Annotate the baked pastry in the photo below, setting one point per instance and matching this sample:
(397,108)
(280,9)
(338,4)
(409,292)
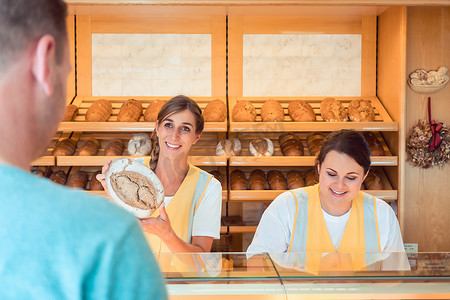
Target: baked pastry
(95,185)
(332,110)
(375,146)
(272,111)
(217,175)
(276,180)
(99,111)
(311,177)
(114,148)
(314,141)
(301,111)
(59,177)
(238,181)
(130,111)
(78,180)
(373,182)
(228,147)
(361,111)
(215,111)
(257,180)
(89,147)
(295,179)
(41,171)
(70,113)
(261,147)
(65,147)
(140,145)
(152,111)
(290,145)
(243,111)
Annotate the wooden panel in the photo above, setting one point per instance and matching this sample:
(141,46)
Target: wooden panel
(84,55)
(70,20)
(235,55)
(218,56)
(368,55)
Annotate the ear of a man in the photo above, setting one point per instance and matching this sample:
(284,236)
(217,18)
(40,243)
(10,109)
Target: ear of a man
(43,61)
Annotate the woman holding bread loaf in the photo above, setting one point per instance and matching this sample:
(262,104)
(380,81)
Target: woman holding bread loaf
(333,216)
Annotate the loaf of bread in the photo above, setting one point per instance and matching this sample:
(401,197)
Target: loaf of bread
(59,177)
(311,177)
(70,113)
(361,111)
(215,111)
(78,180)
(95,185)
(295,179)
(217,175)
(243,111)
(276,180)
(261,147)
(373,182)
(272,111)
(229,147)
(99,111)
(152,111)
(290,145)
(375,146)
(314,140)
(257,180)
(332,110)
(301,111)
(89,147)
(130,111)
(238,181)
(140,145)
(41,171)
(65,147)
(114,148)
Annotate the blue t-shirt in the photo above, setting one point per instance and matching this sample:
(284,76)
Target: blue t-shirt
(57,243)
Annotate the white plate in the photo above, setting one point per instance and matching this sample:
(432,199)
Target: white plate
(126,164)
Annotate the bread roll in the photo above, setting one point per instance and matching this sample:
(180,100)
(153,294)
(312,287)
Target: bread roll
(215,111)
(373,182)
(140,145)
(276,180)
(70,113)
(314,140)
(361,111)
(261,147)
(238,181)
(78,180)
(243,111)
(272,111)
(89,147)
(152,111)
(290,145)
(332,110)
(375,146)
(311,177)
(217,175)
(130,111)
(95,185)
(228,147)
(295,179)
(257,180)
(301,111)
(65,147)
(99,111)
(59,177)
(41,171)
(114,148)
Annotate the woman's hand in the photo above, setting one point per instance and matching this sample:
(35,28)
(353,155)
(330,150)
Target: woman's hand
(102,177)
(159,226)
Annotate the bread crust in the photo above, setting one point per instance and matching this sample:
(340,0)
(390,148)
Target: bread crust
(65,147)
(332,110)
(301,111)
(70,113)
(215,111)
(99,111)
(361,111)
(290,144)
(243,111)
(152,111)
(130,111)
(272,111)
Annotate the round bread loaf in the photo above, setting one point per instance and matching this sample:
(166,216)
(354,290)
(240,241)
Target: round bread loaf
(261,147)
(140,145)
(78,180)
(361,111)
(152,111)
(257,180)
(215,111)
(229,147)
(295,179)
(311,177)
(314,141)
(238,181)
(301,111)
(65,147)
(272,111)
(243,111)
(130,111)
(276,180)
(99,111)
(59,177)
(114,148)
(373,182)
(332,110)
(290,145)
(70,113)
(375,146)
(89,147)
(95,185)
(41,171)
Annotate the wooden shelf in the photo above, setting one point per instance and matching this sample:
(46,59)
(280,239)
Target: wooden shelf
(299,161)
(104,194)
(48,159)
(242,229)
(44,161)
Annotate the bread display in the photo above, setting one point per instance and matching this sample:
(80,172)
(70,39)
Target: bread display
(238,181)
(152,111)
(361,111)
(257,180)
(290,145)
(375,146)
(70,113)
(217,175)
(99,111)
(95,185)
(130,111)
(65,147)
(261,147)
(295,179)
(114,148)
(140,145)
(314,141)
(276,180)
(243,111)
(332,110)
(78,180)
(59,177)
(215,111)
(373,182)
(229,147)
(89,147)
(301,111)
(272,111)
(311,177)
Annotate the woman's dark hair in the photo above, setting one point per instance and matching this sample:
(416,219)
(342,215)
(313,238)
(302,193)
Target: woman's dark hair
(176,104)
(349,142)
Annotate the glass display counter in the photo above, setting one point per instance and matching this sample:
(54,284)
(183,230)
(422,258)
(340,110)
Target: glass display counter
(306,275)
